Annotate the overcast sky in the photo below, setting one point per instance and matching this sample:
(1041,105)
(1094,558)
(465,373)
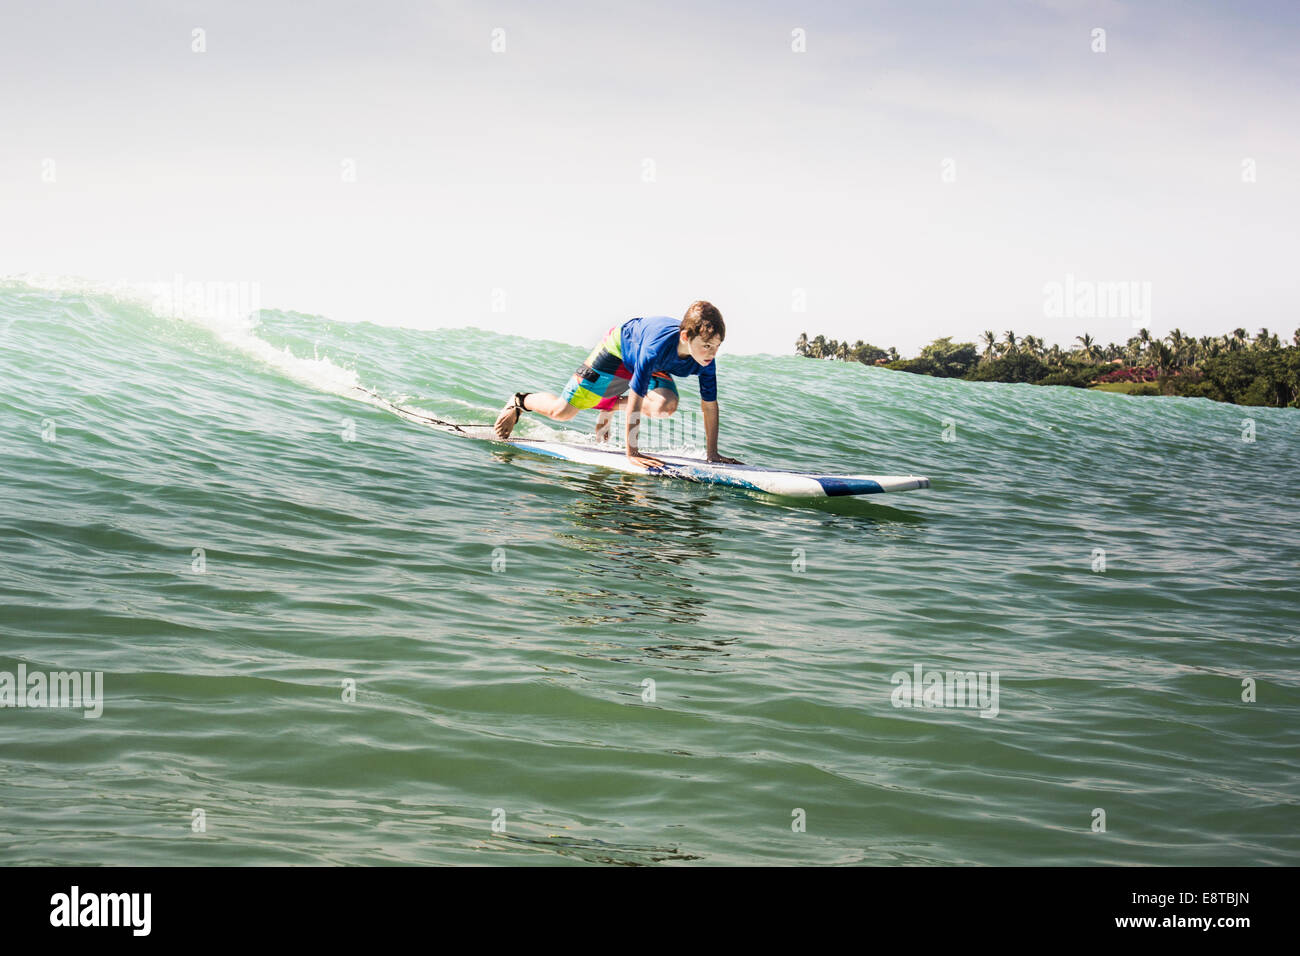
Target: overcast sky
(921,169)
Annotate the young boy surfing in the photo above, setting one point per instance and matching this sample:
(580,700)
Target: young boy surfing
(642,354)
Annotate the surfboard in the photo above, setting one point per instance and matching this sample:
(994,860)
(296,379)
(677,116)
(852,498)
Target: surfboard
(792,484)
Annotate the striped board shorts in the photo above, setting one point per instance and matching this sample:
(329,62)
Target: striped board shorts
(600,381)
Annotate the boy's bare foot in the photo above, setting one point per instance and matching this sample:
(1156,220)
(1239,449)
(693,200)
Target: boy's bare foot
(507,420)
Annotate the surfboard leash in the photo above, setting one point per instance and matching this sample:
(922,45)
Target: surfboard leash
(420,416)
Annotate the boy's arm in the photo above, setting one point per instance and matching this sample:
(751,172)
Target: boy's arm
(711,434)
(630,439)
(641,364)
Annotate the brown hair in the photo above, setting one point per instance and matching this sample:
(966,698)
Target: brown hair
(704,319)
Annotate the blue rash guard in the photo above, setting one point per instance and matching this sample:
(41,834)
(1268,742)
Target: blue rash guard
(650,345)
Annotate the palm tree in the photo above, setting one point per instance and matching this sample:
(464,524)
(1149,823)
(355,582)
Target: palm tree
(1054,354)
(1161,357)
(842,353)
(990,340)
(818,347)
(893,354)
(1176,345)
(1132,350)
(1087,346)
(801,346)
(1261,339)
(1239,338)
(1011,343)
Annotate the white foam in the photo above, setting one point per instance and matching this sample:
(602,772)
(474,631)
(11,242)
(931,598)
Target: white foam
(232,318)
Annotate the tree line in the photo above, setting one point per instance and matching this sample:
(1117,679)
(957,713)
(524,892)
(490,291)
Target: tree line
(1234,367)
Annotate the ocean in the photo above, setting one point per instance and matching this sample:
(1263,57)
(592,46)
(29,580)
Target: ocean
(322,634)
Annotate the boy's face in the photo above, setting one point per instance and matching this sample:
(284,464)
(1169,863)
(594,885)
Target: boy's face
(703,350)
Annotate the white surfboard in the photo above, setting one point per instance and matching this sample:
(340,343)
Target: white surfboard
(793,484)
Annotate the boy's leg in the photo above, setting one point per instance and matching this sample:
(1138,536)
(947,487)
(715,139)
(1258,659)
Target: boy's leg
(604,424)
(662,399)
(552,406)
(544,403)
(598,381)
(660,402)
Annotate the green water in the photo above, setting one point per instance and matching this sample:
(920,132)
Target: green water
(500,613)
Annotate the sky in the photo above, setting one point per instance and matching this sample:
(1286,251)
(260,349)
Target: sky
(891,172)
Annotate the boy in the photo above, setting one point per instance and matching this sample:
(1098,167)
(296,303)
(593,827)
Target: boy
(642,354)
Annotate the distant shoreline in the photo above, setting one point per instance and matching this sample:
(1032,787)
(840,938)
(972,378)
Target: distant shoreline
(1234,368)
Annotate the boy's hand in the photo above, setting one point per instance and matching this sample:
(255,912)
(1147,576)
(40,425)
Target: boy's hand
(723,459)
(645,461)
